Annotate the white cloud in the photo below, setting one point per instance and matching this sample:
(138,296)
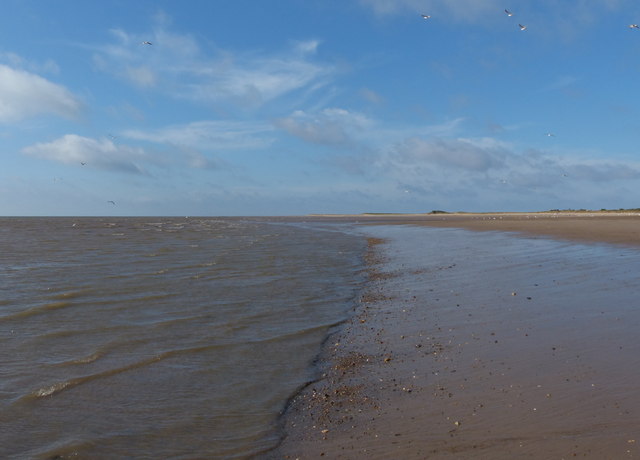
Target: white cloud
(24,94)
(445,129)
(141,76)
(460,154)
(371,96)
(485,164)
(209,135)
(253,82)
(330,126)
(346,128)
(602,171)
(307,47)
(195,145)
(96,153)
(17,61)
(177,65)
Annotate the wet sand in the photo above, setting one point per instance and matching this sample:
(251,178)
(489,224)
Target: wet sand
(618,228)
(590,226)
(483,345)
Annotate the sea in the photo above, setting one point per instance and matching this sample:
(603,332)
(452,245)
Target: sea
(156,338)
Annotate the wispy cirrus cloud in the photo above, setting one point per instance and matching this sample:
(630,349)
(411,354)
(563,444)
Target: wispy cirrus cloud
(24,94)
(19,62)
(209,135)
(560,83)
(205,144)
(177,65)
(95,153)
(253,82)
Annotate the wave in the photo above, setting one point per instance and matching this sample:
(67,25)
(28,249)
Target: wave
(88,359)
(71,294)
(42,309)
(59,387)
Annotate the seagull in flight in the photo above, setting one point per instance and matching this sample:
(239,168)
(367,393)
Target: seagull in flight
(550,134)
(112,202)
(82,163)
(425,16)
(634,26)
(509,13)
(147,43)
(522,27)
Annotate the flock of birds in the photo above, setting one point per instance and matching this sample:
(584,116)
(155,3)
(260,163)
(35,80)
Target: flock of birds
(508,13)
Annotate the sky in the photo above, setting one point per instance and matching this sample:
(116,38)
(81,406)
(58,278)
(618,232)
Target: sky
(292,107)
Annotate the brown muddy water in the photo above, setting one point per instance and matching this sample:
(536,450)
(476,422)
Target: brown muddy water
(162,337)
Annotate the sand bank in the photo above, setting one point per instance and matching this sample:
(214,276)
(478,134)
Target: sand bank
(610,227)
(482,345)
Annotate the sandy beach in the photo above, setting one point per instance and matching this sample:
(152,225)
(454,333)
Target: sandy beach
(473,344)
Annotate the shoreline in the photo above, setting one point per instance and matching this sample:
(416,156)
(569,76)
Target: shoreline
(431,364)
(615,227)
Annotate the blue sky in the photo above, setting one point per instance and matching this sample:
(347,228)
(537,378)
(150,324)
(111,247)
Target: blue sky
(289,107)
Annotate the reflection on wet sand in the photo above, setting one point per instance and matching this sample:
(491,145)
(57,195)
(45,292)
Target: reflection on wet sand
(480,345)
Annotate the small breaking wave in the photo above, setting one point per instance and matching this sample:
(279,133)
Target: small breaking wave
(50,390)
(59,387)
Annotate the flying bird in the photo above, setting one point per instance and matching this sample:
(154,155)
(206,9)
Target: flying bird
(522,27)
(425,16)
(634,26)
(112,202)
(82,163)
(550,134)
(147,43)
(509,13)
